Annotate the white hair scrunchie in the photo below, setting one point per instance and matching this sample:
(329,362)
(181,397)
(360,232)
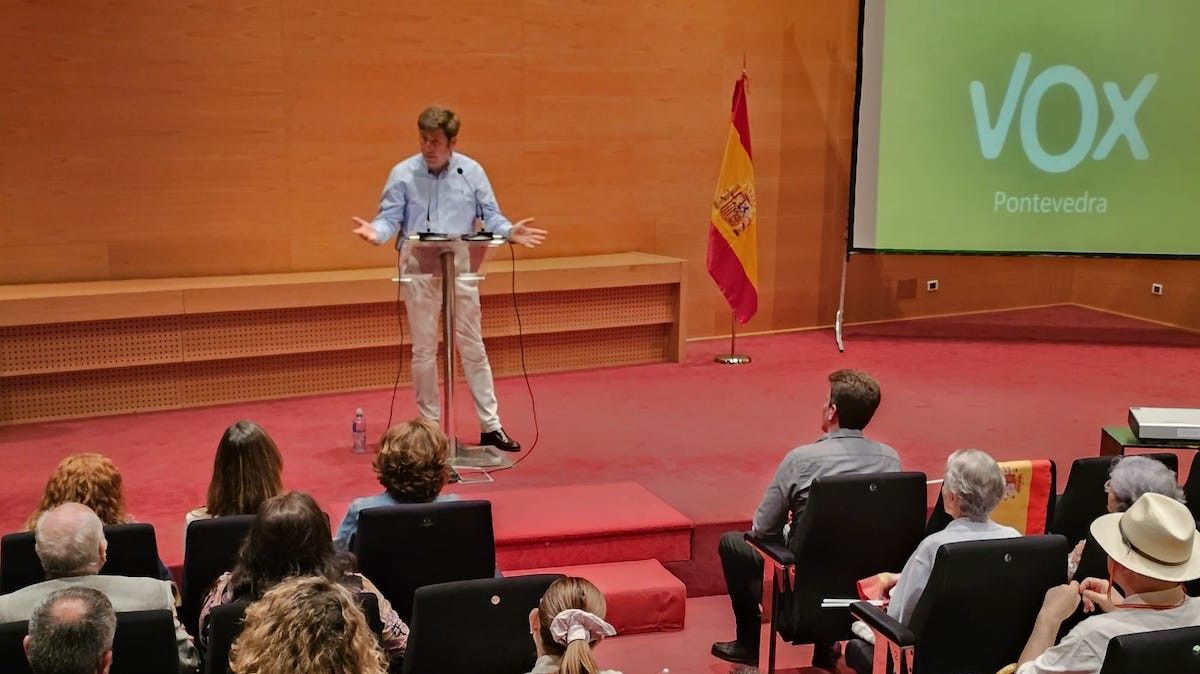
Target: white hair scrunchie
(574,625)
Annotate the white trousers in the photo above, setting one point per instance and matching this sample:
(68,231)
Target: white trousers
(423,302)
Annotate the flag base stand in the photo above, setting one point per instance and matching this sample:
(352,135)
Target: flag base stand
(733,357)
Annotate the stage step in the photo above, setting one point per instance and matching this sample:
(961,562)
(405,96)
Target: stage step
(642,596)
(539,527)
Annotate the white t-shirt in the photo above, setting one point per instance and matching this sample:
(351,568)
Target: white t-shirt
(1082,650)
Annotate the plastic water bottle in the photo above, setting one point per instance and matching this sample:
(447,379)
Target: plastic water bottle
(359,432)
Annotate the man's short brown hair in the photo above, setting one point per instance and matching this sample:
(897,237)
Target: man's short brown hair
(437,117)
(856,396)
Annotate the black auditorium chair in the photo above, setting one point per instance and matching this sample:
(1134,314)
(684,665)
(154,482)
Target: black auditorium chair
(853,526)
(1191,488)
(1176,651)
(991,590)
(939,518)
(224,626)
(403,547)
(144,644)
(1083,498)
(210,548)
(494,611)
(132,551)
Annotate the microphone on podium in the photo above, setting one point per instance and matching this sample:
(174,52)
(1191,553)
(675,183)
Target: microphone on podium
(480,235)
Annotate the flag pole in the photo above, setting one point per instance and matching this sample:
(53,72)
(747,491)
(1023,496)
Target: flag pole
(732,358)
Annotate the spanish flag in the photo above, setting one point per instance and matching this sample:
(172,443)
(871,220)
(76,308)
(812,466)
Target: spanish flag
(733,230)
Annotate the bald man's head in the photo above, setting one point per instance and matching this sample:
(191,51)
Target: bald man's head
(70,541)
(71,632)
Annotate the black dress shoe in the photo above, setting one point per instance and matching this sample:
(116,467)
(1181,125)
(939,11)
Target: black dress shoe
(735,651)
(500,440)
(826,655)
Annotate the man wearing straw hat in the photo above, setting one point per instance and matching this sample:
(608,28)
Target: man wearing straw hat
(1152,549)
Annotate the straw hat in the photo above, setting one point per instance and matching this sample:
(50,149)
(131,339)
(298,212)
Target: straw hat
(1156,537)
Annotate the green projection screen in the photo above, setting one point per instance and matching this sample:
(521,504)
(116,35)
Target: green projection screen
(1028,126)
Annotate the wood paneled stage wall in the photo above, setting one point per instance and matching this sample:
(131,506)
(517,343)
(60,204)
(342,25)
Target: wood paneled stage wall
(164,139)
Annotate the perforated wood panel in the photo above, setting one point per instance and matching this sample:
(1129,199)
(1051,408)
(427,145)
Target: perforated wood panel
(85,394)
(221,381)
(66,370)
(579,309)
(283,331)
(280,331)
(59,347)
(577,350)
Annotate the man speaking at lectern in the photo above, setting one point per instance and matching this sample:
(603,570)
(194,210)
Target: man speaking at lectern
(444,192)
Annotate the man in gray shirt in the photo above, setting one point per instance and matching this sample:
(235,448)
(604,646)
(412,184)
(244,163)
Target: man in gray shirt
(71,546)
(853,398)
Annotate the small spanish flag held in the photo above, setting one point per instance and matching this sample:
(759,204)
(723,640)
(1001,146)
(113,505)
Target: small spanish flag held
(733,224)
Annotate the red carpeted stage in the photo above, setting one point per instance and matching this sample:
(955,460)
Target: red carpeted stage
(673,455)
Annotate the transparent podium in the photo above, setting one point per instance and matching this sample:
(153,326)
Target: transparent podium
(448,261)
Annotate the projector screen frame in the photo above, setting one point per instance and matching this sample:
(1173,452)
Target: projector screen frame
(852,249)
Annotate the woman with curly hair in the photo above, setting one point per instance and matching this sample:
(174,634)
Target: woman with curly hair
(247,470)
(566,625)
(90,479)
(93,480)
(290,537)
(306,626)
(412,465)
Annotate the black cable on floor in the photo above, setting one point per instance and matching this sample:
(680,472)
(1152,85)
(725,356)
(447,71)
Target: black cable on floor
(400,348)
(537,431)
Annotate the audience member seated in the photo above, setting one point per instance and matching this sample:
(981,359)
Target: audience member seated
(247,470)
(853,399)
(290,537)
(1152,549)
(93,480)
(412,465)
(566,625)
(71,632)
(972,488)
(90,479)
(71,546)
(1129,478)
(306,625)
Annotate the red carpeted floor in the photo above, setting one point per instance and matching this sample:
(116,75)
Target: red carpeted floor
(703,437)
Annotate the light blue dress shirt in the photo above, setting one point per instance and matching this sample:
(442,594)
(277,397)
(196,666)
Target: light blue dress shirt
(415,200)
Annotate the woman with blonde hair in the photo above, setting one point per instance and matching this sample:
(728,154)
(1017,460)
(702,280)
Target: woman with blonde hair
(247,470)
(88,478)
(306,625)
(412,466)
(566,625)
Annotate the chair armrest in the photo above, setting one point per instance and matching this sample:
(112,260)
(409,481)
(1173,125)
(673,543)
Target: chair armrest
(772,551)
(883,624)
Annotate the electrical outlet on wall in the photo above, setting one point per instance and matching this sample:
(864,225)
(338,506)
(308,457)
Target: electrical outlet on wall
(931,285)
(1156,288)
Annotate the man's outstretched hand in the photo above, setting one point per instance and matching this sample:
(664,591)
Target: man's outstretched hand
(521,233)
(365,230)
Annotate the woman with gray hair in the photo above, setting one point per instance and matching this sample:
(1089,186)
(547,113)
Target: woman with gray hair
(972,488)
(1129,478)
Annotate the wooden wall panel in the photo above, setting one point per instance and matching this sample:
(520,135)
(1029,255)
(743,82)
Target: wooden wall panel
(966,284)
(168,139)
(1123,286)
